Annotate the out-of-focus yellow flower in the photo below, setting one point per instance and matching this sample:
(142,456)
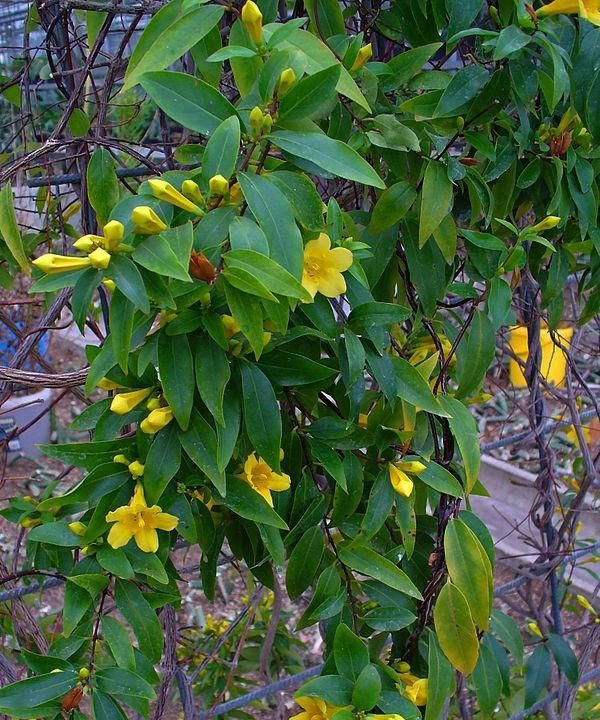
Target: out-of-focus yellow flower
(534,629)
(191,190)
(399,475)
(218,185)
(125,402)
(416,692)
(586,604)
(165,191)
(140,522)
(156,420)
(215,626)
(286,80)
(109,284)
(314,709)
(587,9)
(146,221)
(230,325)
(262,479)
(362,58)
(323,267)
(136,468)
(363,420)
(252,19)
(106,384)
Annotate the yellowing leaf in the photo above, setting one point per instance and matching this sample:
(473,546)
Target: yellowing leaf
(455,629)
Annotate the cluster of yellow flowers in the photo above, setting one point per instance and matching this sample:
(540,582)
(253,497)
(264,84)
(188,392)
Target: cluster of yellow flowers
(160,413)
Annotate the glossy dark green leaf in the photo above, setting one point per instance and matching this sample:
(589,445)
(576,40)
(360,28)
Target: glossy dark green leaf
(334,689)
(441,480)
(162,463)
(167,254)
(371,315)
(488,681)
(247,503)
(367,688)
(350,653)
(117,638)
(463,426)
(200,444)
(35,691)
(368,562)
(262,418)
(121,327)
(436,199)
(311,97)
(135,608)
(564,656)
(222,150)
(389,619)
(176,367)
(392,205)
(119,681)
(123,272)
(212,375)
(247,310)
(441,680)
(537,674)
(379,506)
(304,562)
(102,184)
(270,273)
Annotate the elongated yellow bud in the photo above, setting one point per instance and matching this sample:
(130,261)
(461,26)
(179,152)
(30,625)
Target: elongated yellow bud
(153,403)
(87,243)
(549,222)
(106,384)
(78,528)
(534,628)
(252,19)
(125,402)
(146,221)
(400,481)
(192,191)
(113,234)
(586,604)
(53,264)
(267,124)
(286,80)
(121,459)
(218,185)
(165,191)
(256,121)
(156,420)
(362,58)
(99,259)
(414,467)
(136,468)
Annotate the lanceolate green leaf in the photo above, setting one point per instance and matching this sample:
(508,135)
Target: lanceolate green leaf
(368,562)
(463,426)
(262,418)
(455,629)
(176,369)
(304,562)
(222,150)
(9,230)
(135,608)
(436,199)
(312,96)
(247,503)
(103,186)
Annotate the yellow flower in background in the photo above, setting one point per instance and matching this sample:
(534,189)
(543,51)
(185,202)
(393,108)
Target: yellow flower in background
(416,691)
(165,191)
(323,267)
(314,709)
(156,420)
(362,58)
(125,402)
(586,604)
(262,479)
(252,19)
(399,475)
(218,185)
(140,522)
(587,9)
(146,221)
(286,80)
(549,222)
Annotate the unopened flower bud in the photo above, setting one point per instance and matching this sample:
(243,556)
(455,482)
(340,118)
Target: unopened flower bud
(109,284)
(286,80)
(121,459)
(84,673)
(191,190)
(146,221)
(87,243)
(165,191)
(256,121)
(201,267)
(106,384)
(218,185)
(125,402)
(252,19)
(77,528)
(549,222)
(136,468)
(267,124)
(99,259)
(362,58)
(156,420)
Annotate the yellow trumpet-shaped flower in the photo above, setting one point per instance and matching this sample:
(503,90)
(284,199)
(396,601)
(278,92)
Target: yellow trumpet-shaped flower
(252,19)
(53,264)
(286,80)
(165,191)
(125,402)
(262,479)
(323,267)
(314,708)
(400,475)
(218,185)
(146,221)
(156,420)
(113,234)
(140,522)
(191,190)
(362,58)
(587,9)
(417,691)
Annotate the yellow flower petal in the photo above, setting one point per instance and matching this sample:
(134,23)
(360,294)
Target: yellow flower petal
(401,483)
(165,521)
(147,539)
(340,258)
(125,402)
(119,535)
(332,284)
(279,483)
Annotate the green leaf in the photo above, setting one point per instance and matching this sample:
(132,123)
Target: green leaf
(441,480)
(222,150)
(104,478)
(105,707)
(128,279)
(227,436)
(9,229)
(87,455)
(488,681)
(441,680)
(245,234)
(463,87)
(464,429)
(162,463)
(176,367)
(115,562)
(511,39)
(118,640)
(370,315)
(247,503)
(122,313)
(367,689)
(468,570)
(333,156)
(393,203)
(389,619)
(93,583)
(245,281)
(134,607)
(537,674)
(35,691)
(289,369)
(436,199)
(334,689)
(212,375)
(167,254)
(455,629)
(303,197)
(268,272)
(102,184)
(188,100)
(119,681)
(507,630)
(262,417)
(379,506)
(405,65)
(476,353)
(312,96)
(81,299)
(565,657)
(200,443)
(274,214)
(304,562)
(350,653)
(247,310)
(326,17)
(169,35)
(54,533)
(368,562)
(414,389)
